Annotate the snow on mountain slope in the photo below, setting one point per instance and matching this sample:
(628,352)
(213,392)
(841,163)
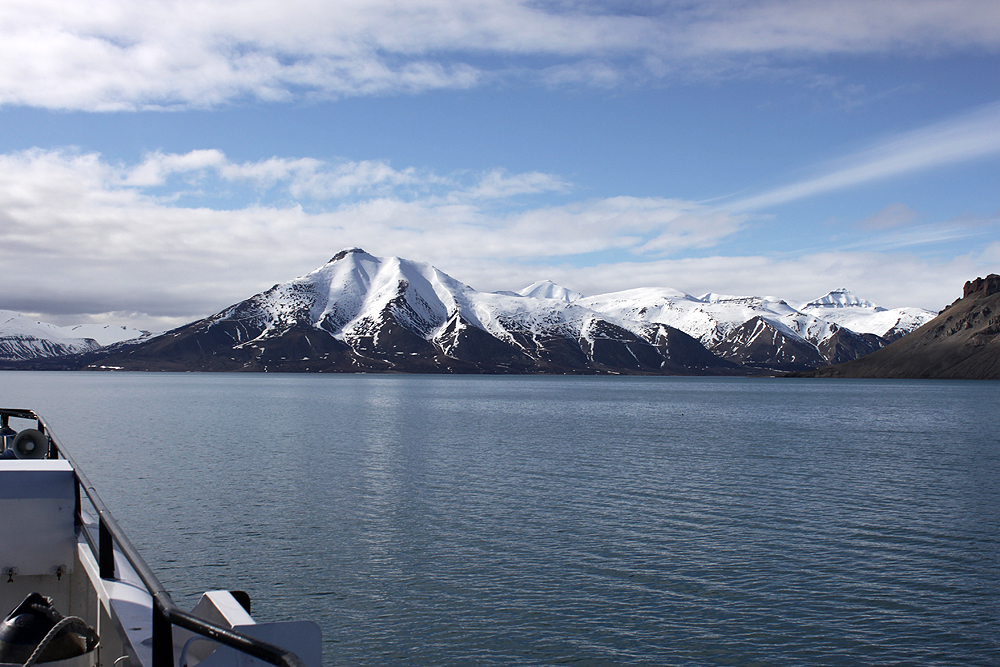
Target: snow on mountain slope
(108,334)
(361,312)
(24,338)
(807,327)
(546,289)
(763,343)
(842,298)
(355,293)
(350,296)
(708,318)
(835,324)
(843,308)
(656,306)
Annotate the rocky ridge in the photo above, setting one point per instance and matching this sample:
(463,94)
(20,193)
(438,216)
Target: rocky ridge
(962,342)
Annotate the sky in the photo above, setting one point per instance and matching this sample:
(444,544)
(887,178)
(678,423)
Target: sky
(163,159)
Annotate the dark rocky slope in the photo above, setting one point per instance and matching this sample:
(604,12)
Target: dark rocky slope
(962,342)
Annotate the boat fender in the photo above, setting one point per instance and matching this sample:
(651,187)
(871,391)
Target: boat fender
(26,628)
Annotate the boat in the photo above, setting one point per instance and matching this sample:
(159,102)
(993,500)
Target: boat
(80,595)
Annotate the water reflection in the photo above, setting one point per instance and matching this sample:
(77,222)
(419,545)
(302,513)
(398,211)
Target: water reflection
(489,521)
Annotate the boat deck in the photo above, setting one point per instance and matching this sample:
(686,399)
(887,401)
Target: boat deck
(58,539)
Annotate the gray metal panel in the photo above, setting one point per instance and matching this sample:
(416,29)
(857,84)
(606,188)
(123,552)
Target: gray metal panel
(37,500)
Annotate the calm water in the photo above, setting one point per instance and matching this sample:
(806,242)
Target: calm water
(587,521)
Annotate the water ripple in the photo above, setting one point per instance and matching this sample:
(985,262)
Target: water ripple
(568,521)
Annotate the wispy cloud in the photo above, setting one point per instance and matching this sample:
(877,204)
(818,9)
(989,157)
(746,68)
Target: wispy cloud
(499,184)
(892,229)
(893,215)
(80,235)
(890,279)
(967,137)
(121,55)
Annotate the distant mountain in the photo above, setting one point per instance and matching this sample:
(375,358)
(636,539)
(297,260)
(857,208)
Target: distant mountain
(24,339)
(108,334)
(764,332)
(546,289)
(364,313)
(864,317)
(963,342)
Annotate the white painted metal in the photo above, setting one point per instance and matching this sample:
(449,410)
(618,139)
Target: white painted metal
(36,503)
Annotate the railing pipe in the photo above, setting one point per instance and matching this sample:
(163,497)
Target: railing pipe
(163,636)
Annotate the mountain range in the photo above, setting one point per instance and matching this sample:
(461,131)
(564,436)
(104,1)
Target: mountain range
(23,338)
(962,342)
(361,313)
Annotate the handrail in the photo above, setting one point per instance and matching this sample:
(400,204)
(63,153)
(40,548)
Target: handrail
(166,613)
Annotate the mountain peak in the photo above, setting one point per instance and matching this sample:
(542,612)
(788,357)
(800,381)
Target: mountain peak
(546,289)
(841,298)
(988,285)
(345,252)
(962,342)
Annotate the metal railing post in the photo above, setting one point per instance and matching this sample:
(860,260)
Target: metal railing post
(78,506)
(106,549)
(163,638)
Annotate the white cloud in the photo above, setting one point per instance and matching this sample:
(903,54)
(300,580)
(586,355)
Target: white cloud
(81,238)
(498,184)
(157,167)
(117,54)
(268,173)
(78,235)
(966,137)
(302,177)
(355,177)
(890,279)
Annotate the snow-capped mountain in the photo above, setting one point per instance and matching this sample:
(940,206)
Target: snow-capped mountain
(359,312)
(765,331)
(546,289)
(23,338)
(962,342)
(709,318)
(108,334)
(864,317)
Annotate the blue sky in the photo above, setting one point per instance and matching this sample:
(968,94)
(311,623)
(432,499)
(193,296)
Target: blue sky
(162,160)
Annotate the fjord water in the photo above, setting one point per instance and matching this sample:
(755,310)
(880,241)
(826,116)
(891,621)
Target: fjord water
(425,520)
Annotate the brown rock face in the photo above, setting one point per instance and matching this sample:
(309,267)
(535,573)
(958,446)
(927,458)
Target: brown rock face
(988,285)
(963,342)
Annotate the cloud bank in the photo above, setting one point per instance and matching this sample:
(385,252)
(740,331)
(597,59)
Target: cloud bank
(81,236)
(82,239)
(122,55)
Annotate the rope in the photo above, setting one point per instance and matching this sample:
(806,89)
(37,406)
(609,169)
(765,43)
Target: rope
(79,626)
